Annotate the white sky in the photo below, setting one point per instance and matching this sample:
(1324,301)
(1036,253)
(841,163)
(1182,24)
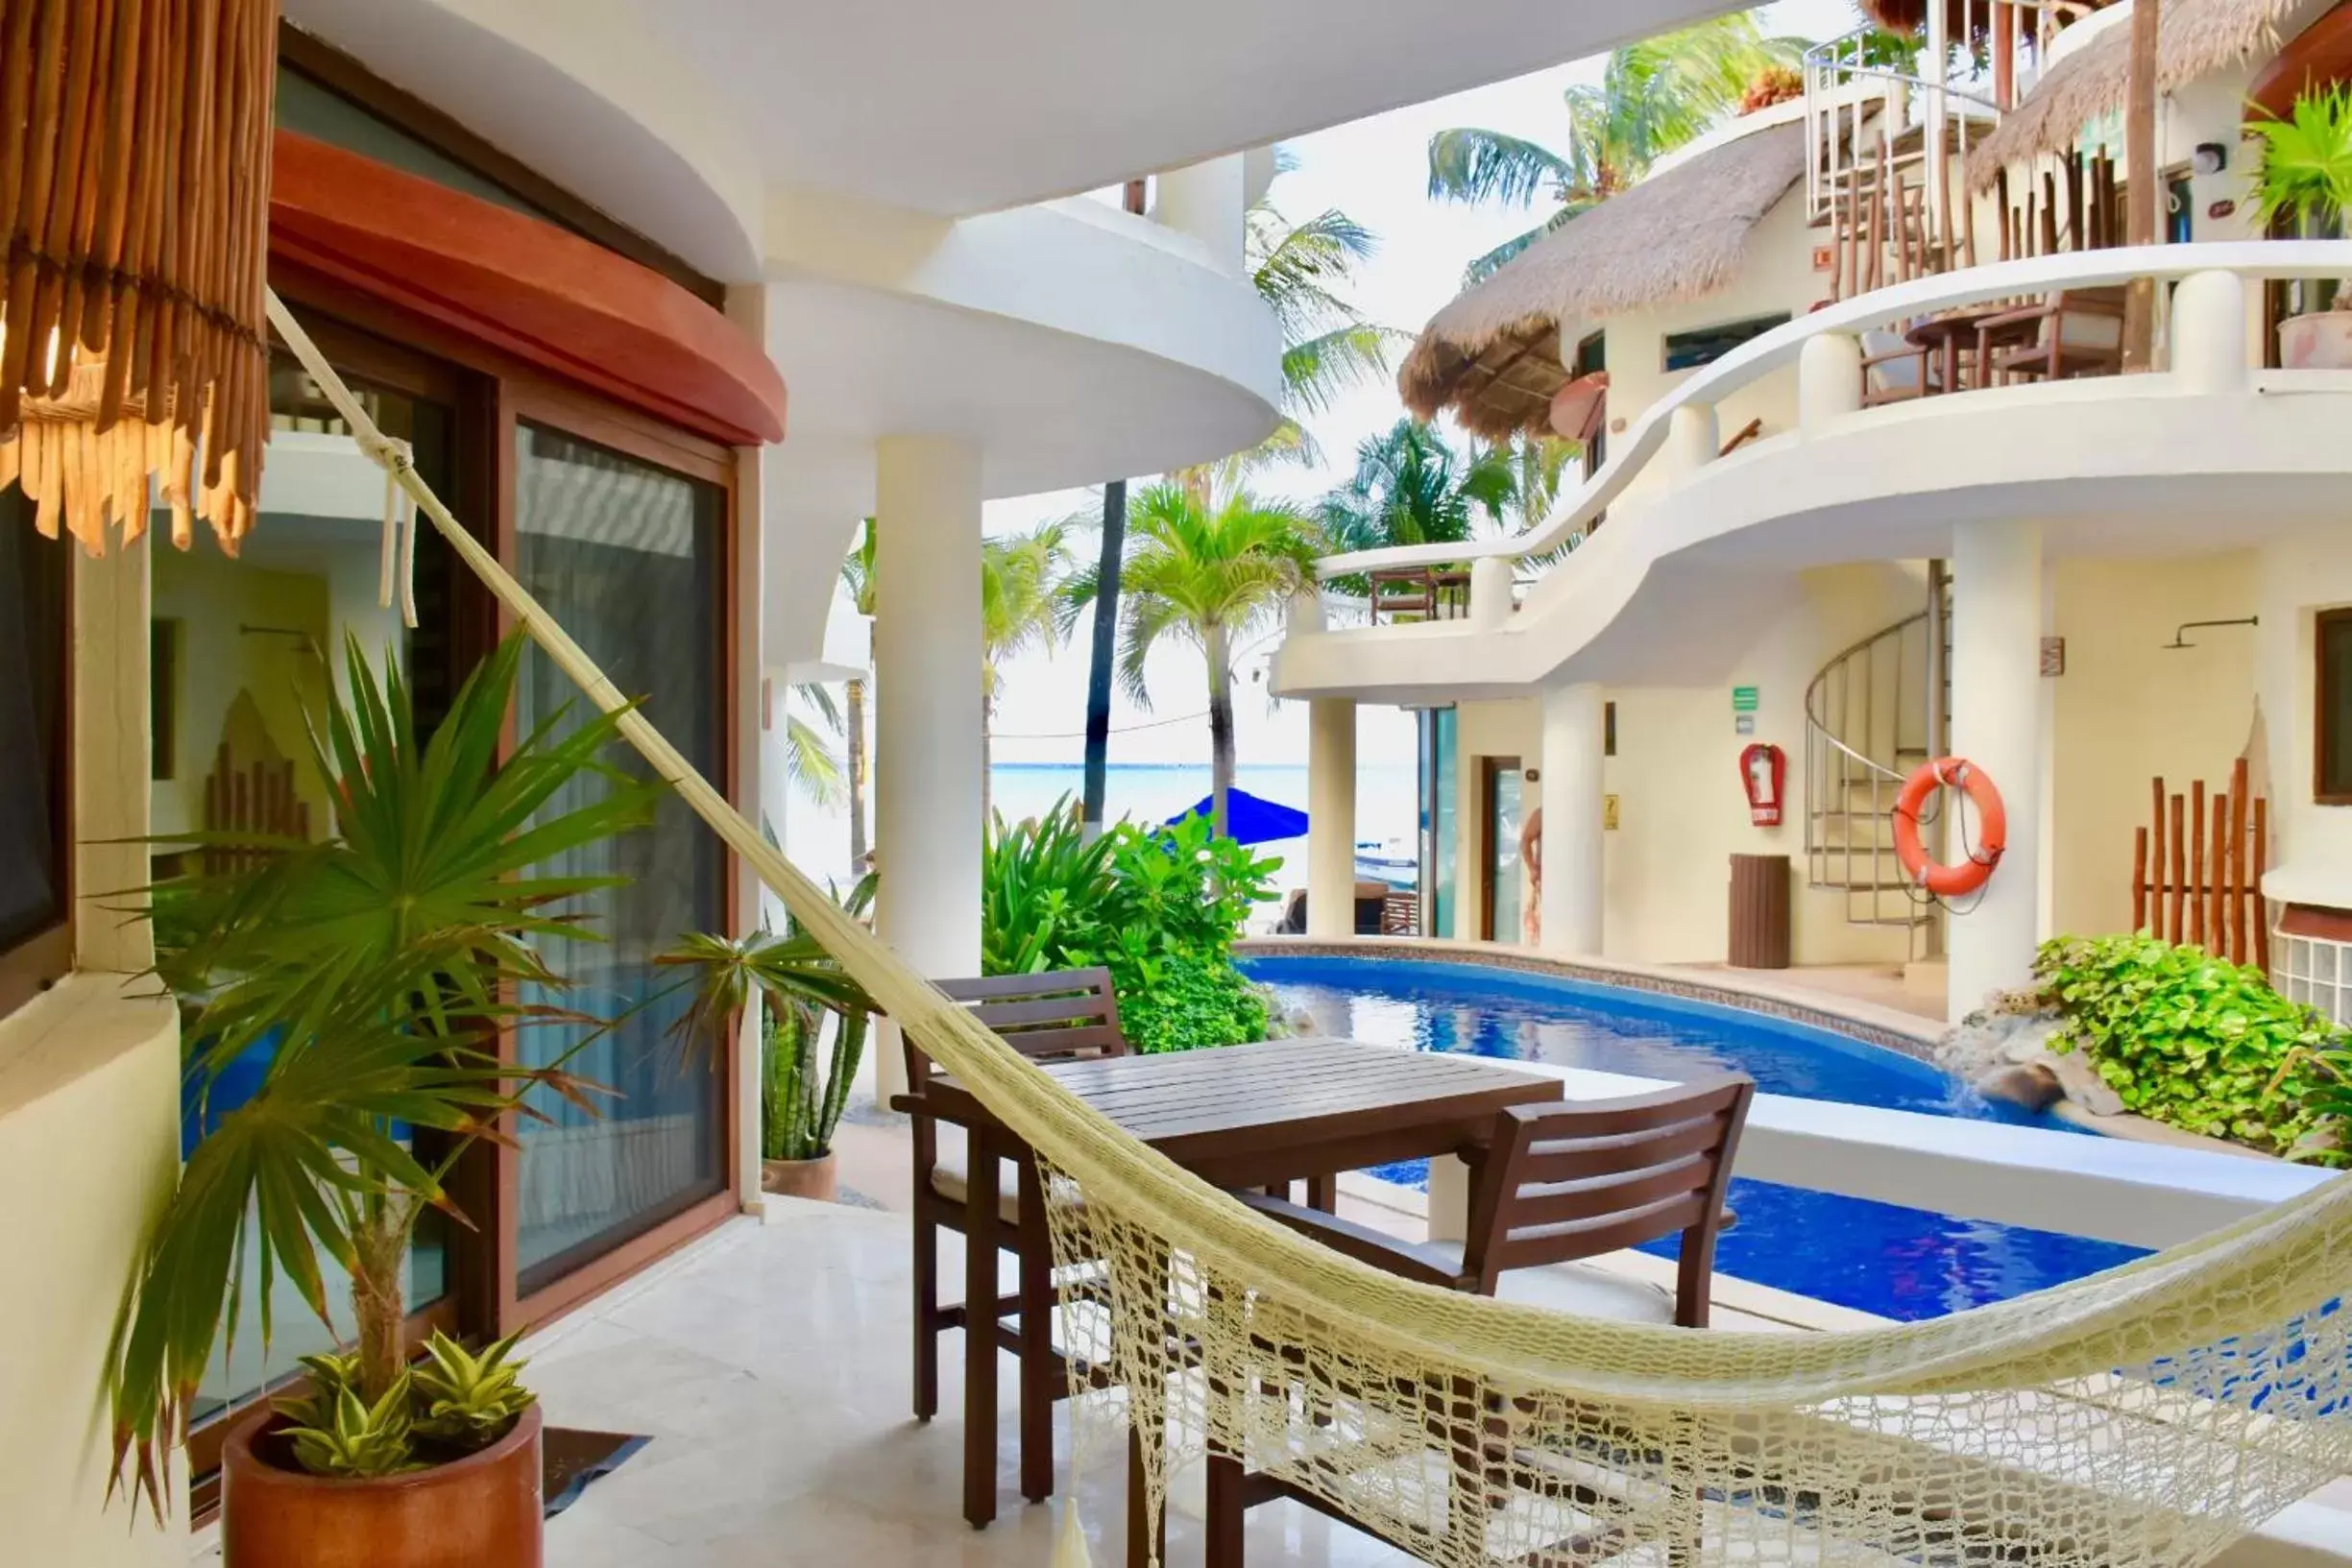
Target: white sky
(1375,170)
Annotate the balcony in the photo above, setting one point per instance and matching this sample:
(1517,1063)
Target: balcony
(1701,541)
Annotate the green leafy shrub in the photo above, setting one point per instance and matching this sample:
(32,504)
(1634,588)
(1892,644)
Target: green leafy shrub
(466,1402)
(1159,906)
(2192,1040)
(452,1403)
(1183,1000)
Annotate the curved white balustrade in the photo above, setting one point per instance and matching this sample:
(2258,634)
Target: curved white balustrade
(2210,354)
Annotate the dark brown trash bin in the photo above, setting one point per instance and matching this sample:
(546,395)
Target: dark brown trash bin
(1759,912)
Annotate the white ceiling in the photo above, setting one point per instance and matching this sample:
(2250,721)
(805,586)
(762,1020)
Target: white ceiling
(947,107)
(964,106)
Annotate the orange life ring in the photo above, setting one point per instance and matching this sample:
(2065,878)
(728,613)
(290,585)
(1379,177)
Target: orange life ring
(1992,828)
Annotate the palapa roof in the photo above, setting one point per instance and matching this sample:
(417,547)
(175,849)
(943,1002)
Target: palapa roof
(1492,355)
(2193,39)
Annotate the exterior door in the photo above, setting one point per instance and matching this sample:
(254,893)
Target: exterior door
(1500,814)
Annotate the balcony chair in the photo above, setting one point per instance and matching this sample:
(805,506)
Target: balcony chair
(2073,333)
(1560,1183)
(1896,370)
(1068,1016)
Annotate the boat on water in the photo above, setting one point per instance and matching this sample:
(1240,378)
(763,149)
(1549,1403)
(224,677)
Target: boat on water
(1391,860)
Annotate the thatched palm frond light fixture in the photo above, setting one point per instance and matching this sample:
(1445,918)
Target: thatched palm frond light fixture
(134,168)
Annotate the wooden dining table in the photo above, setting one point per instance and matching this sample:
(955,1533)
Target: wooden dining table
(1946,334)
(1247,1116)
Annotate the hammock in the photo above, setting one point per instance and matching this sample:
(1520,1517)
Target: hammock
(2146,1418)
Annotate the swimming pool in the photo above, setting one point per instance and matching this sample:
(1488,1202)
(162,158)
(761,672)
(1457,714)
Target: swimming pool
(1876,1256)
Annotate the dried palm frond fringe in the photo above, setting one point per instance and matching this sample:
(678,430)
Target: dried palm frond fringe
(134,168)
(2194,39)
(1491,355)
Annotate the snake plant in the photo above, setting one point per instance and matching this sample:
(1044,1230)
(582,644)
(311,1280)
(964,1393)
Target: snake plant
(797,985)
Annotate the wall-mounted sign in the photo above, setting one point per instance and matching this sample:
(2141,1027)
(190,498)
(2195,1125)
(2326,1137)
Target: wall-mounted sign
(1824,258)
(1743,699)
(1743,724)
(1609,813)
(2221,209)
(2053,656)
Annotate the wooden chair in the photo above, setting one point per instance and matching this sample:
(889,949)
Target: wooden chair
(1560,1183)
(1896,370)
(1069,1016)
(2073,333)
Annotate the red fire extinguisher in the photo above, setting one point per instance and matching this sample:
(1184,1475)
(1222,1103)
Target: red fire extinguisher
(1763,769)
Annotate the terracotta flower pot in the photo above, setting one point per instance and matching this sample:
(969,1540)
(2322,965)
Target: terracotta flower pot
(481,1510)
(800,1178)
(2320,341)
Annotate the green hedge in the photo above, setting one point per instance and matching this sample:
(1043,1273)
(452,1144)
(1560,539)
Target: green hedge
(2195,1041)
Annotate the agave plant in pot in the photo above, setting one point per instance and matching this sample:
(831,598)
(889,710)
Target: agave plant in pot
(2304,184)
(371,974)
(809,1008)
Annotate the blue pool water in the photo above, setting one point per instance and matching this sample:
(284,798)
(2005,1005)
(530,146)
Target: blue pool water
(1895,1261)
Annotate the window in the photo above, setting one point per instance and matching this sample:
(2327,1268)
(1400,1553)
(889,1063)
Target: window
(1705,345)
(1592,356)
(2332,732)
(163,699)
(34,947)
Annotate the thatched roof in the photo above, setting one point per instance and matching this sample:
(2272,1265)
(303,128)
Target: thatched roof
(1492,355)
(2193,39)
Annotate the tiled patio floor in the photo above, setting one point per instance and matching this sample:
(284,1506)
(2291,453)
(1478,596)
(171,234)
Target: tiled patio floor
(769,1366)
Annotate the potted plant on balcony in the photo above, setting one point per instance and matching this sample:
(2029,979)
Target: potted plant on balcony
(798,989)
(375,972)
(2304,185)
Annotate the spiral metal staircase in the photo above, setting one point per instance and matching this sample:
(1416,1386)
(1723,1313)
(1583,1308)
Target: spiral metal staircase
(1873,714)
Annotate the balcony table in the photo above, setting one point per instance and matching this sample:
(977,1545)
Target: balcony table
(1237,1115)
(1943,333)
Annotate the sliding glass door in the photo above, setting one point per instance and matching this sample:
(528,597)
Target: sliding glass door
(629,556)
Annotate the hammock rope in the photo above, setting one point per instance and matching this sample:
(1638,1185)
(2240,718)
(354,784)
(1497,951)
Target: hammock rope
(2146,1418)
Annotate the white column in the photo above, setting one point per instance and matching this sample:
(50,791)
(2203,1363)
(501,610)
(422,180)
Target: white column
(926,758)
(1331,817)
(1828,380)
(1691,440)
(1572,794)
(754,764)
(1205,200)
(1997,726)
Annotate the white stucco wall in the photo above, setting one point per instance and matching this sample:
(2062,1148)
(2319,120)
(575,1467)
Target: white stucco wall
(2311,853)
(89,1125)
(88,1133)
(1779,277)
(2129,709)
(1681,812)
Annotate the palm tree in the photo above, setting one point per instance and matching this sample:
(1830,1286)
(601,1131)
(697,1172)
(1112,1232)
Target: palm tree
(1021,607)
(1654,96)
(858,577)
(1301,272)
(1208,577)
(1411,488)
(808,756)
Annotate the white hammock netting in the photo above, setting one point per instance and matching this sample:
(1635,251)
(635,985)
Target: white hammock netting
(2146,1418)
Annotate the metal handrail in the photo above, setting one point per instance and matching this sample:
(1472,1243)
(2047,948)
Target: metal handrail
(1815,693)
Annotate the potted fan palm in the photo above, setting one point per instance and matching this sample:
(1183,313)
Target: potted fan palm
(802,994)
(2304,184)
(372,974)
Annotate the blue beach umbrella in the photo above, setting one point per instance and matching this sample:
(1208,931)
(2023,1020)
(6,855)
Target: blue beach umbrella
(1252,819)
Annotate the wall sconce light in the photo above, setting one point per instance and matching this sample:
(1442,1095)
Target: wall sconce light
(2209,157)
